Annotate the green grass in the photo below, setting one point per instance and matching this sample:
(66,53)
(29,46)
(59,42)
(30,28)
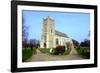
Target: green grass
(45,50)
(67,51)
(84,52)
(27,53)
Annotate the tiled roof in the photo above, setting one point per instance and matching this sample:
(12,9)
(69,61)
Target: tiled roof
(60,34)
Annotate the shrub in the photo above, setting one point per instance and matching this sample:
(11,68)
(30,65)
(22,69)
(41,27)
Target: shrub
(59,50)
(27,53)
(84,52)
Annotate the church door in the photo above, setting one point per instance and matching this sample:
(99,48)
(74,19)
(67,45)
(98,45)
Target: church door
(44,45)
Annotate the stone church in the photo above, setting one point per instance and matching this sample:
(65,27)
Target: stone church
(51,37)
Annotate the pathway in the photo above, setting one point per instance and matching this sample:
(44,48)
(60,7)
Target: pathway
(39,56)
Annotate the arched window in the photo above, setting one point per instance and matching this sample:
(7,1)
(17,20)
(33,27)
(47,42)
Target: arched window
(57,42)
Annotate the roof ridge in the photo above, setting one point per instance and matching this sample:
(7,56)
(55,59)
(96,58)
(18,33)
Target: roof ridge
(61,33)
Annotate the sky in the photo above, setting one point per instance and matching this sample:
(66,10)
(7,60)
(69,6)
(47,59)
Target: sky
(75,25)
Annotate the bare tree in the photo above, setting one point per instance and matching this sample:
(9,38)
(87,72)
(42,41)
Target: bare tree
(76,43)
(24,33)
(35,43)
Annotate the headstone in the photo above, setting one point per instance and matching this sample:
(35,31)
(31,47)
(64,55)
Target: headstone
(51,50)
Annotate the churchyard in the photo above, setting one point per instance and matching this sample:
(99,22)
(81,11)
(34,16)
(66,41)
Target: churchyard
(31,54)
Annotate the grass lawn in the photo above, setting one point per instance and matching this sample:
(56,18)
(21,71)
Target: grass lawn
(27,53)
(84,52)
(45,50)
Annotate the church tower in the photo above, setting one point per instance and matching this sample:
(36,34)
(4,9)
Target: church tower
(48,32)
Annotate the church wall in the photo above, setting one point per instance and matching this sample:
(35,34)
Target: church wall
(62,40)
(50,41)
